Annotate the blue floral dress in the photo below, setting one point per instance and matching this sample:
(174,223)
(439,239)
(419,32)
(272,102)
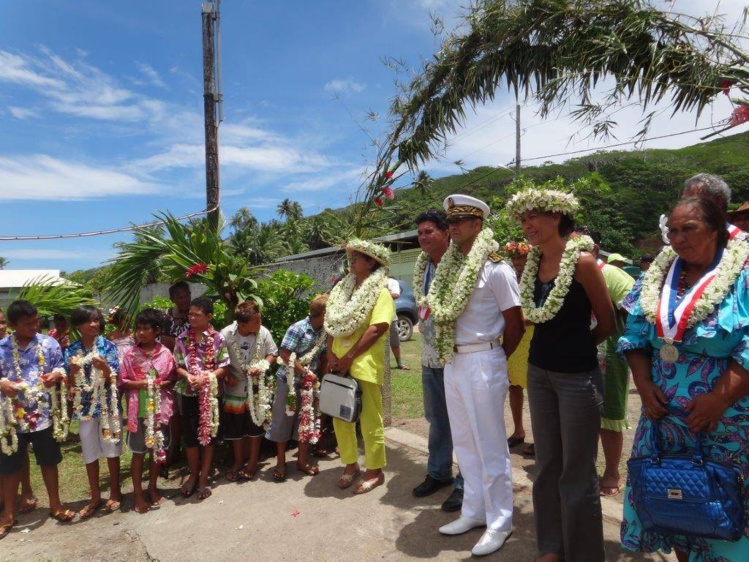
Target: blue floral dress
(706,351)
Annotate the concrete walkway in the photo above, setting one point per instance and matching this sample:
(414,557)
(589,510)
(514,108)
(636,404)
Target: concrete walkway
(306,519)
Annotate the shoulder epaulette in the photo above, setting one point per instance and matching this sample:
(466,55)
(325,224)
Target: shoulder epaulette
(495,257)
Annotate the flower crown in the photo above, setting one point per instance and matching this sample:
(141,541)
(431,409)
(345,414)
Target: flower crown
(377,252)
(516,249)
(546,200)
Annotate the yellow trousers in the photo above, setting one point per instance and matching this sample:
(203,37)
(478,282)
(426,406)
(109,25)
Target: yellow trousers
(372,430)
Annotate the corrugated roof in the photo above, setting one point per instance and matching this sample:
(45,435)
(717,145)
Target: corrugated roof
(17,278)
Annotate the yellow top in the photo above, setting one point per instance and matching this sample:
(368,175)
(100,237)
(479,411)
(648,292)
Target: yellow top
(370,365)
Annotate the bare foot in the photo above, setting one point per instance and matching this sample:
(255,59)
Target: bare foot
(155,497)
(141,505)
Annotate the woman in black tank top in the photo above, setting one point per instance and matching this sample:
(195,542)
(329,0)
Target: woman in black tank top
(561,290)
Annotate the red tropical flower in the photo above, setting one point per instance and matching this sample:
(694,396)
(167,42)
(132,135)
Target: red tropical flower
(389,175)
(388,192)
(378,201)
(740,115)
(195,269)
(725,86)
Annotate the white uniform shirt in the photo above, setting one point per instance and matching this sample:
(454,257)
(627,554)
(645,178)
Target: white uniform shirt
(482,320)
(395,289)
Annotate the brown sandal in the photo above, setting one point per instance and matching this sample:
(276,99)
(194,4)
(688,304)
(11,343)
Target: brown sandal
(29,505)
(5,529)
(309,469)
(279,473)
(63,515)
(369,485)
(347,479)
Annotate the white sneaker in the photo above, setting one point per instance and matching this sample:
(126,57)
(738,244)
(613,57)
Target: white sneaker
(461,525)
(490,541)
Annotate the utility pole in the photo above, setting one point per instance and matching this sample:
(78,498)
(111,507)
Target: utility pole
(210,99)
(517,140)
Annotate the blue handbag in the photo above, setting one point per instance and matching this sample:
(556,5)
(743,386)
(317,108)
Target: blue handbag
(687,494)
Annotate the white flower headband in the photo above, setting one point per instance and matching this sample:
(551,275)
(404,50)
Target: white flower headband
(546,200)
(377,252)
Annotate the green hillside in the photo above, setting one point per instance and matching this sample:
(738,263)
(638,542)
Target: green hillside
(636,186)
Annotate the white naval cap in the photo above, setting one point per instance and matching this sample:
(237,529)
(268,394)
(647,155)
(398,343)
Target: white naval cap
(459,205)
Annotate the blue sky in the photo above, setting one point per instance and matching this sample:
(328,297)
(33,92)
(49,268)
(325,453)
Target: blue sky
(101,118)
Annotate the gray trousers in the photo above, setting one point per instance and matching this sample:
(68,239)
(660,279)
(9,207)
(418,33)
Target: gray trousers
(566,418)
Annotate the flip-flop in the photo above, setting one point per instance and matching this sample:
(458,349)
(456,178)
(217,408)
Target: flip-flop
(369,485)
(607,490)
(279,473)
(320,453)
(247,474)
(90,510)
(232,475)
(204,493)
(5,529)
(309,469)
(347,479)
(514,441)
(186,491)
(112,505)
(63,515)
(27,506)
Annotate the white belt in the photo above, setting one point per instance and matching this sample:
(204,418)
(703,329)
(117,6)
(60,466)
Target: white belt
(475,347)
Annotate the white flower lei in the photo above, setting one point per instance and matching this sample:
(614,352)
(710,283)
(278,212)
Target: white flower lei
(555,299)
(731,263)
(305,360)
(349,306)
(258,403)
(9,419)
(544,200)
(8,433)
(110,424)
(420,268)
(454,282)
(154,436)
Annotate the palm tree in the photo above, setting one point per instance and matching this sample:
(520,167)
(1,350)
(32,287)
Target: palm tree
(193,251)
(243,219)
(289,210)
(4,263)
(423,182)
(561,52)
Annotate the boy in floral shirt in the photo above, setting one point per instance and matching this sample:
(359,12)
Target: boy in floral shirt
(202,357)
(148,414)
(30,363)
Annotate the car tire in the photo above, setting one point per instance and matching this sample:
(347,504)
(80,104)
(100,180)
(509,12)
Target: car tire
(405,327)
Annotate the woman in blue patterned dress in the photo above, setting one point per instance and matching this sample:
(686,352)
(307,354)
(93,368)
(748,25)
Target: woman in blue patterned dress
(699,381)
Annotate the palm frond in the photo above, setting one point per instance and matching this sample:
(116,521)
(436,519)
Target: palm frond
(51,296)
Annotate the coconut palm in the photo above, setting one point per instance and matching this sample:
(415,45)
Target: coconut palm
(561,52)
(194,251)
(4,263)
(51,295)
(289,210)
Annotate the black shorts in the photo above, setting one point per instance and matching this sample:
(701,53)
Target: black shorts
(46,451)
(191,420)
(237,426)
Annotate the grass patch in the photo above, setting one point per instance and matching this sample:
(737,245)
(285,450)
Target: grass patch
(406,389)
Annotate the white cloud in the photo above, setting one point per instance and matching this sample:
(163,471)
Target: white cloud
(77,88)
(350,178)
(346,86)
(150,73)
(22,113)
(41,177)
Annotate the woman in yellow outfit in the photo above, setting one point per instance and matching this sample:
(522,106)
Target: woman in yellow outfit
(358,318)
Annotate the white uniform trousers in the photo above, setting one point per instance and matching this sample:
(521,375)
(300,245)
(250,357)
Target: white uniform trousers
(475,389)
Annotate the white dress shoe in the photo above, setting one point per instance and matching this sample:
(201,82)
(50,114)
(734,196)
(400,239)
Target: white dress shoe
(461,525)
(490,541)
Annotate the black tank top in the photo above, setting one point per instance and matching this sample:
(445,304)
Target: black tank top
(564,343)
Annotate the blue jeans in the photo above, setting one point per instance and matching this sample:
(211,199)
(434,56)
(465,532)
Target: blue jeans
(440,464)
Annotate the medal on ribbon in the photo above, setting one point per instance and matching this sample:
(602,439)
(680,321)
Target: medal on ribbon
(672,318)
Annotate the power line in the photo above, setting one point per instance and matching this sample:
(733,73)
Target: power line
(101,232)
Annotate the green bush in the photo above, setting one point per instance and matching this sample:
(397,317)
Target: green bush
(285,296)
